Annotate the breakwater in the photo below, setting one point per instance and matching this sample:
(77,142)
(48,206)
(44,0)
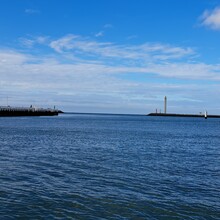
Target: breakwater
(8,111)
(183,115)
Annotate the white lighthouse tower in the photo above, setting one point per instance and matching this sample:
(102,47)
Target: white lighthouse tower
(165,105)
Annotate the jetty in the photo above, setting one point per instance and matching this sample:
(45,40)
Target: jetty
(8,111)
(184,115)
(165,114)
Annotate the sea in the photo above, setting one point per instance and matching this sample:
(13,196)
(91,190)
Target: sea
(97,166)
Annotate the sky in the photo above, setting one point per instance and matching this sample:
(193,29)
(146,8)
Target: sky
(111,56)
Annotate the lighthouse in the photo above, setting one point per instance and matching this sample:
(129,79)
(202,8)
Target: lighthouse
(165,105)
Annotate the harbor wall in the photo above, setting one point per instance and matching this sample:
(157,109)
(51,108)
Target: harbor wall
(6,111)
(183,115)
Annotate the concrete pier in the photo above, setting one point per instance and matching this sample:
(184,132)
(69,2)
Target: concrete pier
(7,111)
(183,115)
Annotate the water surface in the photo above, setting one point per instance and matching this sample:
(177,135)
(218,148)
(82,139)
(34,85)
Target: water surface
(109,167)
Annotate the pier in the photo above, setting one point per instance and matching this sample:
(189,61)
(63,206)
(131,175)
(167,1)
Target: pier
(165,114)
(8,111)
(183,115)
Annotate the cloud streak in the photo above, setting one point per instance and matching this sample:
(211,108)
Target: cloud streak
(78,45)
(30,42)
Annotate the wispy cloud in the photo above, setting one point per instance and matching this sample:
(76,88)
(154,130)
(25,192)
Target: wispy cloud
(27,42)
(99,34)
(78,45)
(31,41)
(211,18)
(107,76)
(149,58)
(31,11)
(108,26)
(132,37)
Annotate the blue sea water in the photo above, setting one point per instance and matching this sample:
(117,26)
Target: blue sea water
(84,166)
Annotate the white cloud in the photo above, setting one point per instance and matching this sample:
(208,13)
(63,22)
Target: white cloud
(98,80)
(99,34)
(211,19)
(199,71)
(31,41)
(10,57)
(41,39)
(63,43)
(78,45)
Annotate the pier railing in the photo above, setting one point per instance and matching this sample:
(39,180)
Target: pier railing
(32,109)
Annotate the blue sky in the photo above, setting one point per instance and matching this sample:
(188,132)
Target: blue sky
(118,56)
